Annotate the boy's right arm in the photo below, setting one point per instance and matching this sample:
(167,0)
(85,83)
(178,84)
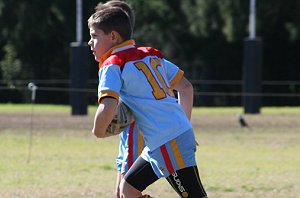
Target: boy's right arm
(104,116)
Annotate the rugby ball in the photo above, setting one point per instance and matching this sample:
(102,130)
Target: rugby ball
(121,120)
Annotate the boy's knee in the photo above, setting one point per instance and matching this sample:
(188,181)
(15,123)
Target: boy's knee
(117,194)
(126,190)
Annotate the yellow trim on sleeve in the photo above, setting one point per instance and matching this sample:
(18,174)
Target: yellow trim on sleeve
(108,93)
(176,79)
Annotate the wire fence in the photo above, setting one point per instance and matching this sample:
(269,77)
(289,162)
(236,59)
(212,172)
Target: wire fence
(64,86)
(289,90)
(216,82)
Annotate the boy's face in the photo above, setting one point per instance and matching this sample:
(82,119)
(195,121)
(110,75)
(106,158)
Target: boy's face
(100,42)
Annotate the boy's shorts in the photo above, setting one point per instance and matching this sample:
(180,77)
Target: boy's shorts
(176,154)
(175,161)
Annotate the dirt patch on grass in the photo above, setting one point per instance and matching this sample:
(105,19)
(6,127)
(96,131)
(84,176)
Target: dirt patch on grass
(51,121)
(67,121)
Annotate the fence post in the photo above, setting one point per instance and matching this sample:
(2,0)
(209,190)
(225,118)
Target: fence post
(79,66)
(252,65)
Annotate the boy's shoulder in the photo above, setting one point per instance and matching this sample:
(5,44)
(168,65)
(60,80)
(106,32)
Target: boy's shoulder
(150,51)
(114,60)
(120,58)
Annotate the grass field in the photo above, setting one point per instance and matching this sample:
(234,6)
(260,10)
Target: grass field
(68,161)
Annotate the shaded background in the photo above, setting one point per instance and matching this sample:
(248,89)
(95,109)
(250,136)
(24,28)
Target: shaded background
(205,38)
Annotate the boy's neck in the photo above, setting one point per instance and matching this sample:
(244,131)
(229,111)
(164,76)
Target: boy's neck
(114,49)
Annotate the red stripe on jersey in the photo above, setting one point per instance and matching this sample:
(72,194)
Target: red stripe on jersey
(130,145)
(131,54)
(115,60)
(167,159)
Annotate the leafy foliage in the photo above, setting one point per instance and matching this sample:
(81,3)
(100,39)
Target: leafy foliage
(10,66)
(204,37)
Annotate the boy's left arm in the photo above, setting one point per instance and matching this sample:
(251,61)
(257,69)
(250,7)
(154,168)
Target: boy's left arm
(104,116)
(185,95)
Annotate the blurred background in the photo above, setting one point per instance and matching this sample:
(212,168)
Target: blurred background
(204,38)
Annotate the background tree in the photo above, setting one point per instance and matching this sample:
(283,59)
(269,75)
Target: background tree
(10,66)
(204,37)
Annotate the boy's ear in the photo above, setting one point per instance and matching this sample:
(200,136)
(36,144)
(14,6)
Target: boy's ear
(116,37)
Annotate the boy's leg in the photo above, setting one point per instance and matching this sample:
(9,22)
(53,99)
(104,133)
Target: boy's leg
(129,191)
(176,157)
(176,161)
(118,181)
(138,178)
(186,182)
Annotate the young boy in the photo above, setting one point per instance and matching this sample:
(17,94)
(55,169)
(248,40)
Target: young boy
(140,76)
(131,141)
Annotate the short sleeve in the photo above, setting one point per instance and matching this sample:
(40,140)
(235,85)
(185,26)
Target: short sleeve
(110,82)
(174,74)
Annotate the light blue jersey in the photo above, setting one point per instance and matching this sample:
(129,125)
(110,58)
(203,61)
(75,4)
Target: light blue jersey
(144,80)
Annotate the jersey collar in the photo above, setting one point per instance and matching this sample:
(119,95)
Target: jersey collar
(122,46)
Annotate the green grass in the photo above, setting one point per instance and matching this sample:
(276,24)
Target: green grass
(233,162)
(38,108)
(21,108)
(55,161)
(281,110)
(257,162)
(240,110)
